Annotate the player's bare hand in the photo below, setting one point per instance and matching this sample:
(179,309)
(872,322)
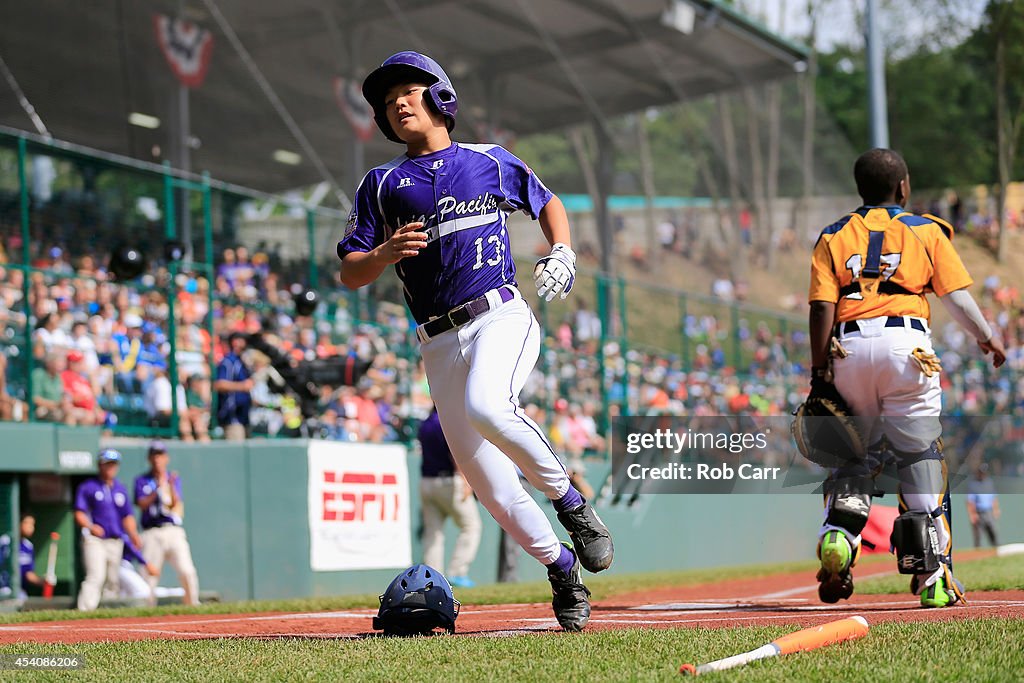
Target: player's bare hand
(97,531)
(995,347)
(407,241)
(152,570)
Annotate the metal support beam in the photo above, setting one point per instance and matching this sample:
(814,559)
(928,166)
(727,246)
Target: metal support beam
(605,174)
(876,78)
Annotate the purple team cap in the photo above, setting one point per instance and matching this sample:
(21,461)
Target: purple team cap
(157,446)
(108,455)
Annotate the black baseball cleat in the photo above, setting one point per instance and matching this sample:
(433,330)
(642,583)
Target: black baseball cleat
(570,599)
(589,536)
(834,587)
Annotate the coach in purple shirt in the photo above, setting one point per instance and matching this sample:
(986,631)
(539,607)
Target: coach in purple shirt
(103,511)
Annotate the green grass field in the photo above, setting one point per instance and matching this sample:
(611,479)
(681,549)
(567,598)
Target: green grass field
(969,650)
(989,574)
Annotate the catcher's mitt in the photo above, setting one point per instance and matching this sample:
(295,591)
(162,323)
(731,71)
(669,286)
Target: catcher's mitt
(824,429)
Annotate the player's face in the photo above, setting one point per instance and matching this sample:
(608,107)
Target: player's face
(408,113)
(28,527)
(159,461)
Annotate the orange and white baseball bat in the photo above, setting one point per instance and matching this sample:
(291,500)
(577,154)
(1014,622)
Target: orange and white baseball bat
(50,580)
(807,639)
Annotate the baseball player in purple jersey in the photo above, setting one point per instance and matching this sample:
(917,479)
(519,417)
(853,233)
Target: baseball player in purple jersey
(158,495)
(438,214)
(104,512)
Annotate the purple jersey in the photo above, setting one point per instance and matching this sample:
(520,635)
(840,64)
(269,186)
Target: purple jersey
(26,559)
(104,505)
(463,194)
(159,513)
(437,456)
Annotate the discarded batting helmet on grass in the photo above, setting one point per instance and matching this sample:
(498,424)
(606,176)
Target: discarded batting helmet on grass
(418,601)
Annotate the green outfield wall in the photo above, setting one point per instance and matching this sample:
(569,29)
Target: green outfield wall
(248,516)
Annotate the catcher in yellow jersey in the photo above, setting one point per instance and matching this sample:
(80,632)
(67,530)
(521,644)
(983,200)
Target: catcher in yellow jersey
(870,341)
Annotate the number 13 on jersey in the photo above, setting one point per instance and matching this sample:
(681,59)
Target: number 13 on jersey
(499,252)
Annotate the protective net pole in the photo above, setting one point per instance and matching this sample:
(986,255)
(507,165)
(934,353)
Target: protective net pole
(311,238)
(26,260)
(210,272)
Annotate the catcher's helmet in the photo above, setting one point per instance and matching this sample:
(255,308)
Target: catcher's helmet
(417,601)
(410,67)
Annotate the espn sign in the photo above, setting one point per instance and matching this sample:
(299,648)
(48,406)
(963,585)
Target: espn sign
(358,506)
(357,496)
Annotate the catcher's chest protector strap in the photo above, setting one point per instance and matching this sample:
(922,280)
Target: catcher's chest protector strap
(849,503)
(917,542)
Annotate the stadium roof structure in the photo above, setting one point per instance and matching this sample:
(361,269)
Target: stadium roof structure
(268,114)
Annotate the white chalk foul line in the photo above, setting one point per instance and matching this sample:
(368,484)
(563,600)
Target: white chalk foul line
(817,610)
(99,626)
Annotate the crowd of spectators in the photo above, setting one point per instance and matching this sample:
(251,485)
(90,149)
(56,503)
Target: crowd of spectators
(100,356)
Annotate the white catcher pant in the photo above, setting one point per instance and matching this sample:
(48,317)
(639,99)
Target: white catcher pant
(476,373)
(878,377)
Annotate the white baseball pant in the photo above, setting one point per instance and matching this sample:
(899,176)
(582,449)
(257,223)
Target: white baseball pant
(476,373)
(169,542)
(102,559)
(443,497)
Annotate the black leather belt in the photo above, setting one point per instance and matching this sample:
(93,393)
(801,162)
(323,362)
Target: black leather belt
(851,326)
(460,315)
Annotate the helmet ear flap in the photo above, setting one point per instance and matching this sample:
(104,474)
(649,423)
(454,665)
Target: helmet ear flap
(442,99)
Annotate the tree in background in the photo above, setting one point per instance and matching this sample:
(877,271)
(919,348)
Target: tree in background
(1004,27)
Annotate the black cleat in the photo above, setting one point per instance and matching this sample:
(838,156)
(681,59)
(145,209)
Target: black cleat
(834,587)
(589,536)
(570,599)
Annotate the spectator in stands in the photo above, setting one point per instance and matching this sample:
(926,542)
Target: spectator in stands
(50,402)
(127,347)
(84,409)
(103,511)
(234,386)
(160,407)
(587,327)
(245,276)
(10,407)
(151,357)
(226,269)
(197,402)
(668,234)
(49,336)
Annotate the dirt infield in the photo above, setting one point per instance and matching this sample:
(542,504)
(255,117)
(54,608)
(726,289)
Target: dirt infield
(788,599)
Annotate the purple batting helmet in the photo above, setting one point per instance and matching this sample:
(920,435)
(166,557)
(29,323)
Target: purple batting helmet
(410,67)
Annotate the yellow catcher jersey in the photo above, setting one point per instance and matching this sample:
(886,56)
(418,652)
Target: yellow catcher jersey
(882,261)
